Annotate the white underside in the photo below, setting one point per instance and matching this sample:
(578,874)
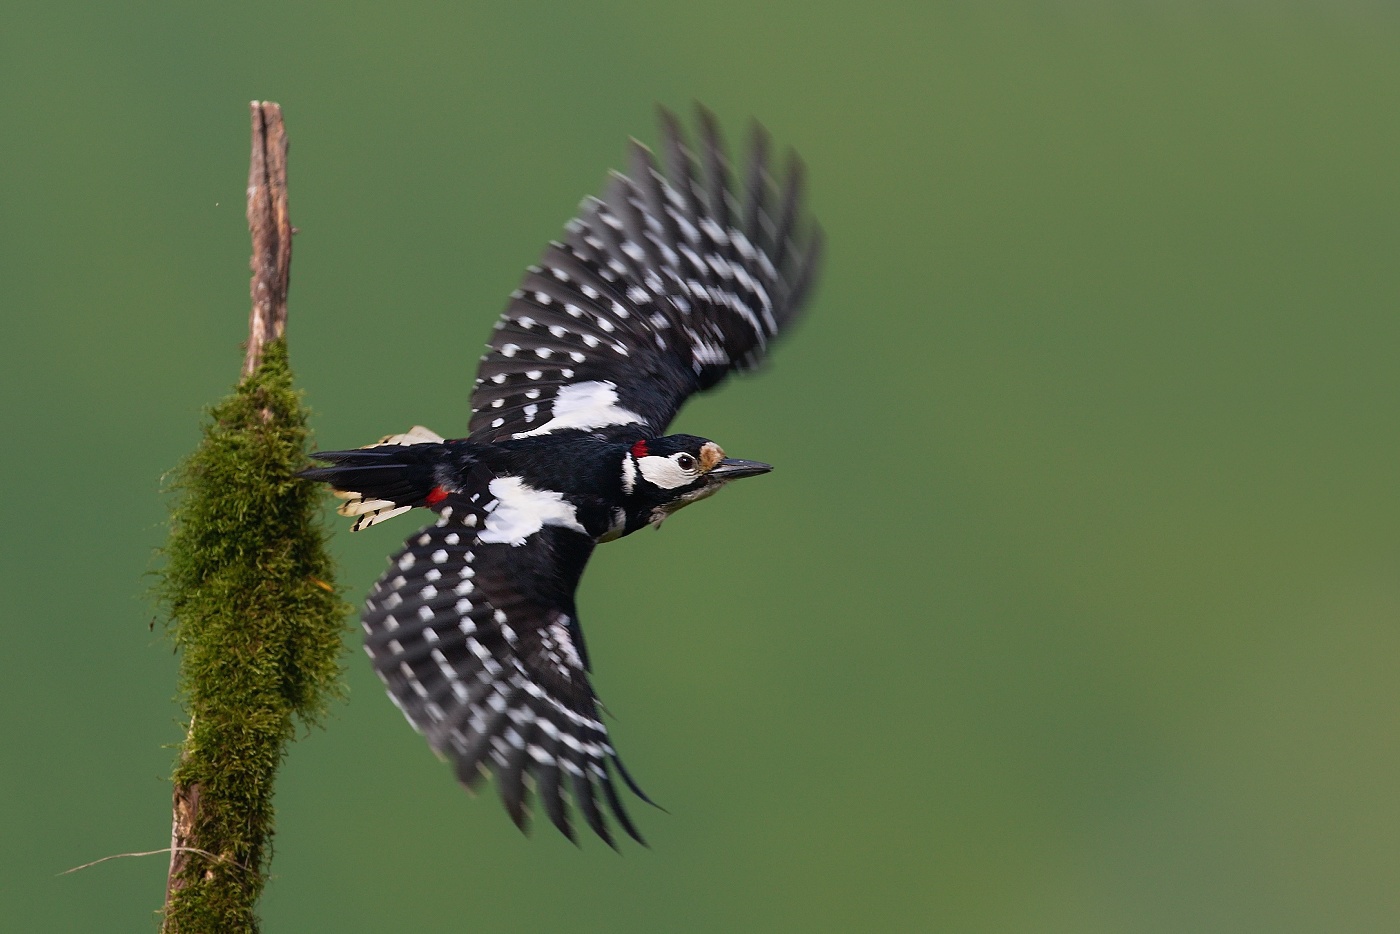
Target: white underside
(415,435)
(659,514)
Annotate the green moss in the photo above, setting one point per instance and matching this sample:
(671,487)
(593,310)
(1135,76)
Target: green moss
(255,615)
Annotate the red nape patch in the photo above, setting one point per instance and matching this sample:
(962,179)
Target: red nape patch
(639,450)
(436,495)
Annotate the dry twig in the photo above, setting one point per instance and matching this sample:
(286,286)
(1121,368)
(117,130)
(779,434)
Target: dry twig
(271,230)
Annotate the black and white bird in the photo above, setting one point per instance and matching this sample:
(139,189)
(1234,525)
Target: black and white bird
(675,278)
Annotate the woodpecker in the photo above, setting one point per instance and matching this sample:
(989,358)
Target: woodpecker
(675,278)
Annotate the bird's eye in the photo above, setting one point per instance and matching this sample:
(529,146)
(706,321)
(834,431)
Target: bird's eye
(685,462)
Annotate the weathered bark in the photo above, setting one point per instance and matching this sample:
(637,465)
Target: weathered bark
(186,806)
(271,231)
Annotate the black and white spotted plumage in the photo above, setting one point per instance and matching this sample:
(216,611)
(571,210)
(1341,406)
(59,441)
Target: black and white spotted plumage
(659,290)
(479,645)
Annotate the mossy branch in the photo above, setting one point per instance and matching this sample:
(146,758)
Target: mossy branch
(250,593)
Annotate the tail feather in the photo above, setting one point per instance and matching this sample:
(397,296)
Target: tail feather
(382,480)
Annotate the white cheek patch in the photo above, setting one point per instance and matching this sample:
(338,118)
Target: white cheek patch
(664,472)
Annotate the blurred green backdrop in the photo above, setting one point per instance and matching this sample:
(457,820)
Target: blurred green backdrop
(1072,603)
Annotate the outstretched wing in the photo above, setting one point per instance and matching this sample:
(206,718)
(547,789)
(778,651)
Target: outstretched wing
(474,633)
(660,289)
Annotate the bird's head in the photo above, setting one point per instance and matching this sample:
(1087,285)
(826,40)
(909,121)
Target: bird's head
(662,475)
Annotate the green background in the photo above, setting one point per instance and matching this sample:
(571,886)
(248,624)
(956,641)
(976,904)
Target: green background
(1071,605)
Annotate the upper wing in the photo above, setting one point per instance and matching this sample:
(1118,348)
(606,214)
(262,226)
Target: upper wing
(473,631)
(660,290)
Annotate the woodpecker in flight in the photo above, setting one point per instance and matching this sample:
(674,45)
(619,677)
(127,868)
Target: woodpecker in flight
(675,278)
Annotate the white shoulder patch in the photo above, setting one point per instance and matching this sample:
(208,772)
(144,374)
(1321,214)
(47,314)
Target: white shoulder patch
(521,511)
(591,404)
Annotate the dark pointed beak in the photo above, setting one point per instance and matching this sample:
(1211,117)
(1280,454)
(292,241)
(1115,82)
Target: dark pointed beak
(731,468)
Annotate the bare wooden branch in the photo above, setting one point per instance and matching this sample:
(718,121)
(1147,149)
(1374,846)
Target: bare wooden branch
(185,808)
(271,230)
(194,861)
